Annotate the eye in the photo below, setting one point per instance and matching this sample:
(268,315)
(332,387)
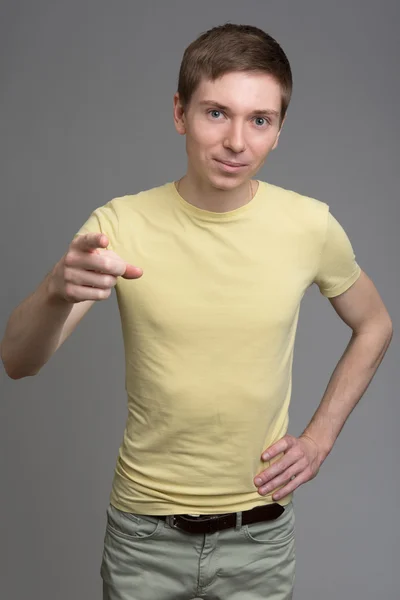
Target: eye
(214,110)
(267,121)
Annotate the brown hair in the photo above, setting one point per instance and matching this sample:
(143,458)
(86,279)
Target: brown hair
(228,48)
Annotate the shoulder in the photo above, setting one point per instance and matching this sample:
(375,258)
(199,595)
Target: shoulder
(298,207)
(139,202)
(296,213)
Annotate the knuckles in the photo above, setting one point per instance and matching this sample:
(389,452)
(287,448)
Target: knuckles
(67,274)
(107,265)
(103,294)
(70,259)
(69,291)
(109,281)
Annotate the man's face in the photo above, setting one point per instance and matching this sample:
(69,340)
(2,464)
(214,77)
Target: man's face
(244,132)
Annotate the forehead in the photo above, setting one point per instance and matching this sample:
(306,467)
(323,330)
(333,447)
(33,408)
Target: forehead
(241,91)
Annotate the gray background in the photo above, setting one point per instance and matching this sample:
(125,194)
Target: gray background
(86,115)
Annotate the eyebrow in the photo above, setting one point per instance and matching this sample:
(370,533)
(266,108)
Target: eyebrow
(266,111)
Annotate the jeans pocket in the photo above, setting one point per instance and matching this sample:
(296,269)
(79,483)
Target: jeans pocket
(132,525)
(278,531)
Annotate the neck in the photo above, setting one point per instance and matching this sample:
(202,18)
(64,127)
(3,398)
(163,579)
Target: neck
(206,196)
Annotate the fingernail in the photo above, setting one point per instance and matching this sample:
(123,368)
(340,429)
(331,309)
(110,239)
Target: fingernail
(258,481)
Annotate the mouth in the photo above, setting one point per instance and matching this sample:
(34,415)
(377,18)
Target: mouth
(230,166)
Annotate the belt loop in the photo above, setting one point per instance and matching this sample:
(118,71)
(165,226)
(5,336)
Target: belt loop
(170,519)
(238,520)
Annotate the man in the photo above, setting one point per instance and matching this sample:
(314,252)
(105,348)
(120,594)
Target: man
(209,273)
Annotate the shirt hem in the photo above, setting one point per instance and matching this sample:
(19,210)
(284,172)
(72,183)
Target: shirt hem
(175,509)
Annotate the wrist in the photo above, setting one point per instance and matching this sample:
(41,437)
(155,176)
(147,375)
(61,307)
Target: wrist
(323,448)
(52,291)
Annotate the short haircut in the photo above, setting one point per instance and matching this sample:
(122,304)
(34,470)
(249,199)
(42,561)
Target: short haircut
(229,48)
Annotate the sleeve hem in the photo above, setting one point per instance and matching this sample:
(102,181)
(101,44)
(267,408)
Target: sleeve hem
(336,291)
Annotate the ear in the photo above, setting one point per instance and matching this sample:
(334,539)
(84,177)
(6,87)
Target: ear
(179,115)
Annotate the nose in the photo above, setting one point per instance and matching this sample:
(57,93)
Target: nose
(234,139)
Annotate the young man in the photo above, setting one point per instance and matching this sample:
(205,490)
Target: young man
(209,273)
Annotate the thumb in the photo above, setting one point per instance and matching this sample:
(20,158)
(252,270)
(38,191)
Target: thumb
(132,272)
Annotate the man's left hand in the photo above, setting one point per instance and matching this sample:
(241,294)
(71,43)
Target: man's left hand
(300,463)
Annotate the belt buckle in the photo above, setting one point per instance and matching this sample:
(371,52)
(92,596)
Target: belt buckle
(173,521)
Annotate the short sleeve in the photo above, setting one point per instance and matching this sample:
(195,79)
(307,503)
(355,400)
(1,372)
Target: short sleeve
(103,220)
(338,268)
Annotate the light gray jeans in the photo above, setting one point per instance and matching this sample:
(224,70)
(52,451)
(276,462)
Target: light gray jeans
(145,559)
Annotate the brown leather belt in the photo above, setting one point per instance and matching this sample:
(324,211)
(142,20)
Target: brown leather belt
(212,523)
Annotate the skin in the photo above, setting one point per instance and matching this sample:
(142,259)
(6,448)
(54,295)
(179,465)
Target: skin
(234,135)
(44,320)
(38,327)
(362,309)
(237,134)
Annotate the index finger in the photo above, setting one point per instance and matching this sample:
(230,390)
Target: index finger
(91,241)
(280,446)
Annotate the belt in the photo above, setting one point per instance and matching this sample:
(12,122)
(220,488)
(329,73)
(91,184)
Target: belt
(212,523)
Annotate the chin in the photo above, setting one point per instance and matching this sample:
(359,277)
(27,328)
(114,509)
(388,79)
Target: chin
(228,183)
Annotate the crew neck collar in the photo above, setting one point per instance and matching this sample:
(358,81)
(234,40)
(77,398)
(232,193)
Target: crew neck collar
(208,215)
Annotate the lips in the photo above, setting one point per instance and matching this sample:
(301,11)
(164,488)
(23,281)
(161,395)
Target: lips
(231,164)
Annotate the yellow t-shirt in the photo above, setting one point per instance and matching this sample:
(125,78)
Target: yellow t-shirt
(209,331)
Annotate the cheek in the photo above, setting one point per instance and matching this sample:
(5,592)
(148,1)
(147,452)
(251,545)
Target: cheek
(264,147)
(202,137)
